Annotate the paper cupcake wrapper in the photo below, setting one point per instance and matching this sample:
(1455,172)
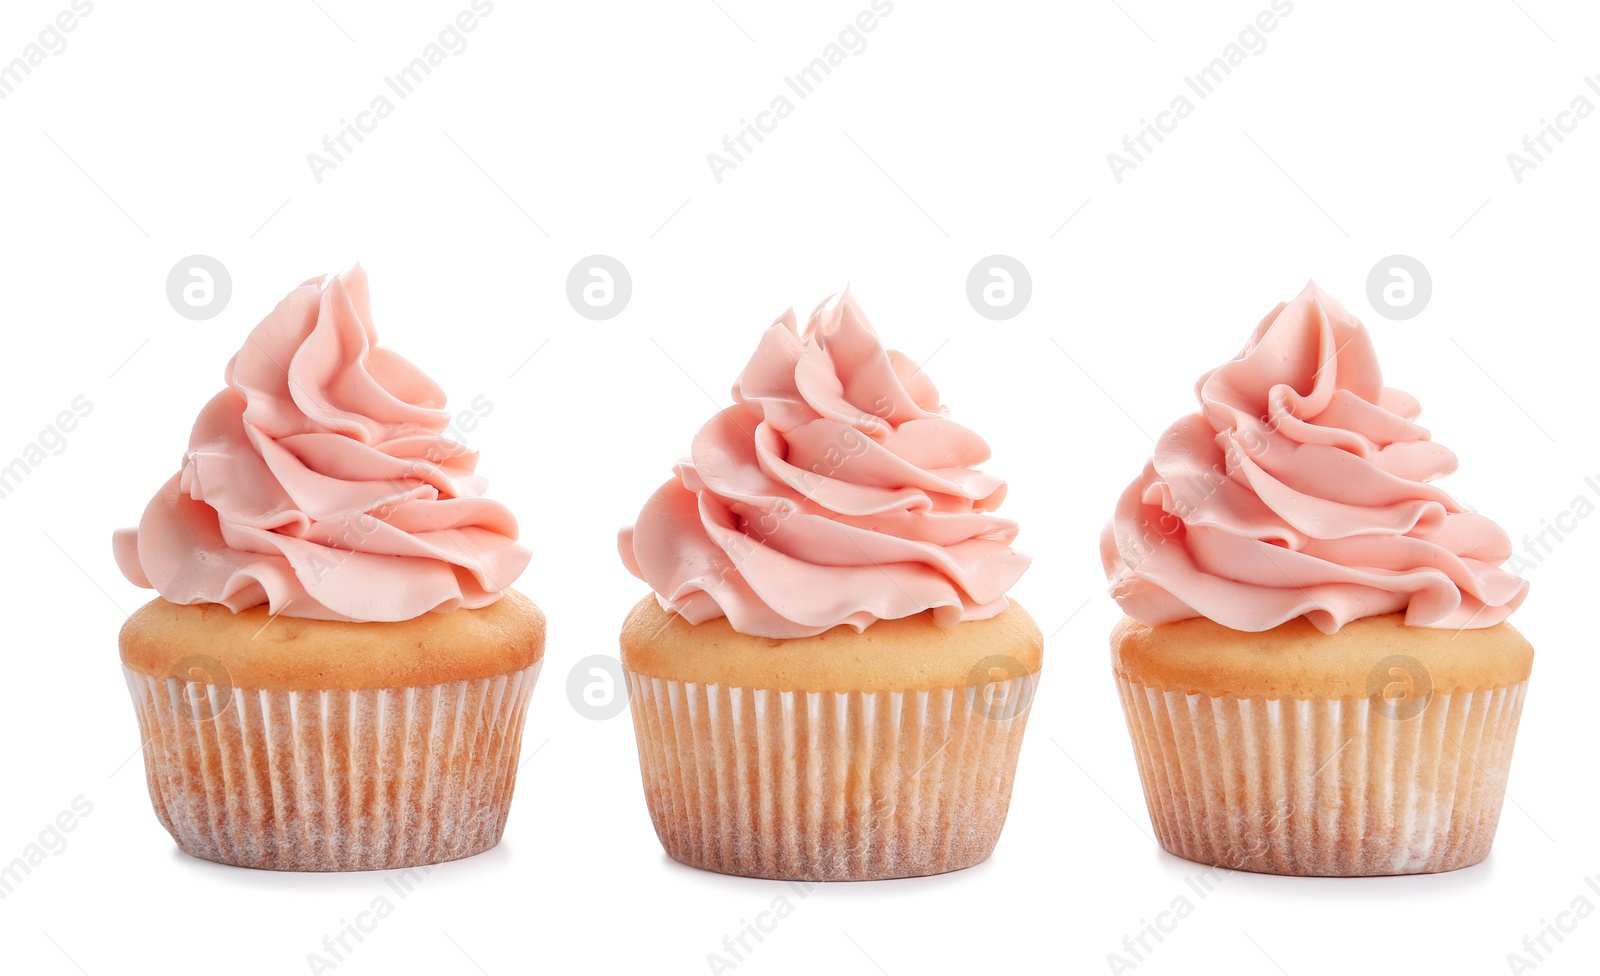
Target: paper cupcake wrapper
(332,780)
(1324,787)
(826,786)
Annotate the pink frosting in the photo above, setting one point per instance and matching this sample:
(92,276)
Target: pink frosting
(834,491)
(1302,488)
(321,482)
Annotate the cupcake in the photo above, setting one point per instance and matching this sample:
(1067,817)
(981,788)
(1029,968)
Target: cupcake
(829,682)
(1315,663)
(334,676)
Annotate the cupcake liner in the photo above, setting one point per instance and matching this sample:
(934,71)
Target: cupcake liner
(824,786)
(1324,787)
(332,780)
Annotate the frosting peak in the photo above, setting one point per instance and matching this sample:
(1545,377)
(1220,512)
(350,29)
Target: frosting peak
(1302,488)
(321,482)
(835,490)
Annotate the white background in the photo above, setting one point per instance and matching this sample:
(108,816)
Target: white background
(1363,129)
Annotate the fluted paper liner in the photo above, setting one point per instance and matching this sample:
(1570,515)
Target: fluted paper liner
(1330,787)
(825,786)
(332,780)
